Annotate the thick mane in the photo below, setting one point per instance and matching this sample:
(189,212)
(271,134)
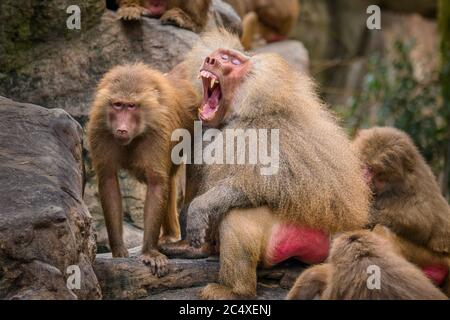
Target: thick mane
(316,160)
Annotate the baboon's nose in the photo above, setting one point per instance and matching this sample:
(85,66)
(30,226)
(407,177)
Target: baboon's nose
(210,61)
(122,132)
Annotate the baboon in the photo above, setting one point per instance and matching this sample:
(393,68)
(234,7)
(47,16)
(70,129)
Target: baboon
(272,20)
(315,190)
(133,115)
(354,258)
(191,15)
(407,200)
(311,284)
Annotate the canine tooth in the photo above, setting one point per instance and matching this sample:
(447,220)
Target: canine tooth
(217,81)
(212,83)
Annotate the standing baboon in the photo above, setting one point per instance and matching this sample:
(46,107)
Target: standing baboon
(354,258)
(315,190)
(191,15)
(131,122)
(407,200)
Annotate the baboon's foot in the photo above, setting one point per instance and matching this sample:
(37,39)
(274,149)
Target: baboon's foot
(216,291)
(157,262)
(182,250)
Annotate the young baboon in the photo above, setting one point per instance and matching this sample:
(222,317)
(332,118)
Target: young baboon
(311,284)
(315,190)
(191,15)
(272,20)
(356,258)
(407,199)
(132,118)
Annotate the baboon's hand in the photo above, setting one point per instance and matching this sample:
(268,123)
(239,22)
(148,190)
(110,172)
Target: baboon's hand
(179,18)
(197,224)
(130,13)
(157,262)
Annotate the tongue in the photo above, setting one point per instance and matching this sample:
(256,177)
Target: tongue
(210,107)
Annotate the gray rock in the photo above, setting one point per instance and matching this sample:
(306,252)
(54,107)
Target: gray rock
(224,15)
(26,24)
(64,74)
(45,226)
(293,51)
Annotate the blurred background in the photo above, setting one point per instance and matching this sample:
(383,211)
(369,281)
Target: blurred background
(397,76)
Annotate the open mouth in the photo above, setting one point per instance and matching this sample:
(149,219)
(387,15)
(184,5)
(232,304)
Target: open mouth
(212,95)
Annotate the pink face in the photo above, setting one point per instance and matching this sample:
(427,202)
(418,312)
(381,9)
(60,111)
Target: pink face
(368,174)
(124,120)
(155,8)
(373,181)
(221,73)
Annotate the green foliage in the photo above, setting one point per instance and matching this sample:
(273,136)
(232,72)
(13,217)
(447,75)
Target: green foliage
(391,96)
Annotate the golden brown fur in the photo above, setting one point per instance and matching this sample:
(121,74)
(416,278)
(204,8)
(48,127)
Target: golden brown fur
(191,15)
(309,191)
(165,103)
(346,275)
(266,18)
(311,284)
(319,183)
(407,198)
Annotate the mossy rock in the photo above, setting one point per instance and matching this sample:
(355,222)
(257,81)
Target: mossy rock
(28,22)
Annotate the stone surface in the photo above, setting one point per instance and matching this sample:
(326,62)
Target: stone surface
(224,15)
(45,226)
(64,72)
(265,292)
(293,51)
(26,24)
(128,278)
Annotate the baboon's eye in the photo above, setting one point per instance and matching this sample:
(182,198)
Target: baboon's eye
(132,107)
(236,62)
(225,57)
(117,105)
